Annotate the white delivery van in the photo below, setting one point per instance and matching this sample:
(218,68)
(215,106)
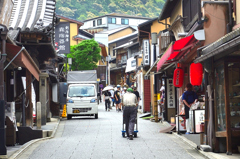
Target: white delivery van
(82,94)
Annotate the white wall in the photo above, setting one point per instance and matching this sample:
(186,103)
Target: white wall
(102,38)
(132,22)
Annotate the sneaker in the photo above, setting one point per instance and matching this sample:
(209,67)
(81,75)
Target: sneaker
(130,137)
(187,133)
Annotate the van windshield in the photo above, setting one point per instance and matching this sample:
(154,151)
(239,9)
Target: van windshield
(81,91)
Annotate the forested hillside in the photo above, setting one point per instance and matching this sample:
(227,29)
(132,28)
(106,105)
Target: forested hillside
(86,9)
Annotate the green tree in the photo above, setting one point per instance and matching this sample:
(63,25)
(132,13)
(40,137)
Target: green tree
(85,55)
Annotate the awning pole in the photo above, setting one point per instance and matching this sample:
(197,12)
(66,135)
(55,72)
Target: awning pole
(14,57)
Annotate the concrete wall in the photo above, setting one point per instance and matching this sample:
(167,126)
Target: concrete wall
(238,11)
(217,15)
(101,37)
(5,11)
(177,11)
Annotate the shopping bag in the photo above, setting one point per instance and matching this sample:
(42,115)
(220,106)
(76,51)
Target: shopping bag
(195,105)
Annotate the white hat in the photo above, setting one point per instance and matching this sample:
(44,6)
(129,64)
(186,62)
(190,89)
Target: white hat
(124,88)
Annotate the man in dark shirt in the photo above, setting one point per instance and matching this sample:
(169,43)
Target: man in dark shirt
(136,93)
(117,98)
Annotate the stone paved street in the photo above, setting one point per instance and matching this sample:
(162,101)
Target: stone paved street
(86,137)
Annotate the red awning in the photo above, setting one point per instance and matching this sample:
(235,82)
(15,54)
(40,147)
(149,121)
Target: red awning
(23,59)
(176,50)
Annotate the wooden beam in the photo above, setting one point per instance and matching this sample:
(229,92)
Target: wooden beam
(221,134)
(227,109)
(29,105)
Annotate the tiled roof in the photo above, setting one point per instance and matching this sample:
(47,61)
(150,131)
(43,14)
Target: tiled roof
(32,15)
(70,19)
(123,37)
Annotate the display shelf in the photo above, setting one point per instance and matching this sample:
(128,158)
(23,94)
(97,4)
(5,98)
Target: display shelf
(237,96)
(235,85)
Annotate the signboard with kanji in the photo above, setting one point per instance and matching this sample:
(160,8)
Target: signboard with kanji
(145,48)
(170,93)
(62,38)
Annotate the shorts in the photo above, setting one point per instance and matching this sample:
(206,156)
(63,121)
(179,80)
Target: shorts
(117,102)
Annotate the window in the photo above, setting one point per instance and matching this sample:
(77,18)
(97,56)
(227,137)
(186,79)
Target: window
(190,12)
(112,20)
(81,91)
(99,22)
(94,23)
(114,51)
(124,21)
(124,58)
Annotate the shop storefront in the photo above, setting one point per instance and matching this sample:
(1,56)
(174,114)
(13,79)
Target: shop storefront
(224,76)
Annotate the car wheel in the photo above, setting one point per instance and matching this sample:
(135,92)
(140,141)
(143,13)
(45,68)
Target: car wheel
(96,116)
(69,117)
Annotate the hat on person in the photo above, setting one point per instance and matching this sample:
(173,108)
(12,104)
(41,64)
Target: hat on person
(130,90)
(118,86)
(124,88)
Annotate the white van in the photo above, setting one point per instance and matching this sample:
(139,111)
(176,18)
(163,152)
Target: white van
(82,94)
(82,100)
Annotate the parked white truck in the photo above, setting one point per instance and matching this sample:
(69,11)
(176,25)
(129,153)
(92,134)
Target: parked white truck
(82,93)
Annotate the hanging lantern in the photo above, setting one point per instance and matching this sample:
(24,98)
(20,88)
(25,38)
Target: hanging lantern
(178,77)
(196,74)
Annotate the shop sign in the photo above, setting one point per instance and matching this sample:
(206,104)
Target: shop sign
(170,93)
(133,63)
(146,52)
(62,38)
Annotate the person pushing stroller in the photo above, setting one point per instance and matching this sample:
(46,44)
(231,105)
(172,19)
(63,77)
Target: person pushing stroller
(130,104)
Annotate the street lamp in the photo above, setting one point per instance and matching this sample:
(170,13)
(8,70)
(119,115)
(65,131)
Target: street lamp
(154,42)
(70,63)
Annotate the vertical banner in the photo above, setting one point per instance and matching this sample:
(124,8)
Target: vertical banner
(170,93)
(146,58)
(62,38)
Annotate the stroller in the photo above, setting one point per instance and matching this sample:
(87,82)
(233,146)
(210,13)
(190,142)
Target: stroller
(124,132)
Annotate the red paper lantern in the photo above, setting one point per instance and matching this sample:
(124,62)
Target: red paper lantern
(178,77)
(196,74)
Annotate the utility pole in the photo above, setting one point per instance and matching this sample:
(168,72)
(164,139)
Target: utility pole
(3,35)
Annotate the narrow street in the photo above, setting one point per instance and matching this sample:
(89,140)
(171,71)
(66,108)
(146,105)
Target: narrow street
(86,137)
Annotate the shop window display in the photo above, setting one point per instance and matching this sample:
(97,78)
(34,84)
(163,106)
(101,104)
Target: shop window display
(220,99)
(234,94)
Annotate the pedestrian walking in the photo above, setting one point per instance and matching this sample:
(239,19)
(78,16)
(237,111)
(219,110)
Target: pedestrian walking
(130,104)
(136,93)
(107,97)
(112,97)
(100,91)
(189,97)
(117,98)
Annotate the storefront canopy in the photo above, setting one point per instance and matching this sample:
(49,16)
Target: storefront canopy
(23,59)
(176,50)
